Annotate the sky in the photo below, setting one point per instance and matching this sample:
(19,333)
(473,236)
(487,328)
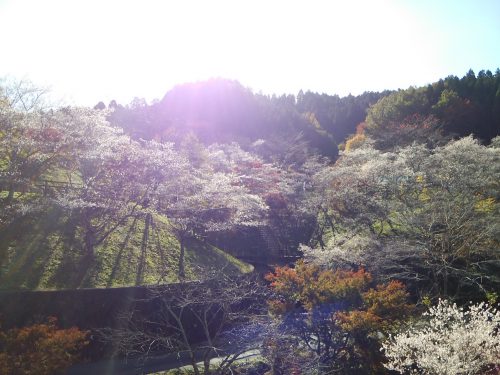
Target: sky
(88,51)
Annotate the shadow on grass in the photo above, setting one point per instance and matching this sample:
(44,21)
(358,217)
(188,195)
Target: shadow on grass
(27,249)
(119,255)
(45,251)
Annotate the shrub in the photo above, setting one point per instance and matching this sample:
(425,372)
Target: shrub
(40,349)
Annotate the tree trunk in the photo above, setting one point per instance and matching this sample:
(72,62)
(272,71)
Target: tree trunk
(277,366)
(89,242)
(206,366)
(10,196)
(182,273)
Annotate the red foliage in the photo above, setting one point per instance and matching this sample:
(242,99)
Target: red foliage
(364,309)
(40,349)
(276,201)
(360,128)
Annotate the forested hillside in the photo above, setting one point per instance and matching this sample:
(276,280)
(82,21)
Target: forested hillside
(467,105)
(225,111)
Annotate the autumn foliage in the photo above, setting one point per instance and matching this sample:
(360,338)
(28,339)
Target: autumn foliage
(338,314)
(309,286)
(382,307)
(40,349)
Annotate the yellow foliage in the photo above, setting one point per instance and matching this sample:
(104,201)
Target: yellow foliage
(311,117)
(355,142)
(485,205)
(424,195)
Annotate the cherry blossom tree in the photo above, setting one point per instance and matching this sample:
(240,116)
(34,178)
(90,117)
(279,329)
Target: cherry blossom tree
(201,201)
(426,216)
(450,340)
(113,179)
(34,143)
(286,189)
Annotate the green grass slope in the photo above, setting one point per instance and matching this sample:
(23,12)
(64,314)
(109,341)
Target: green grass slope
(45,252)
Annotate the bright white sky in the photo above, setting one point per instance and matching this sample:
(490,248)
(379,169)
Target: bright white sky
(89,51)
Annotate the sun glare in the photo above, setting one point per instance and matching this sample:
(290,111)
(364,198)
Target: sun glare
(119,49)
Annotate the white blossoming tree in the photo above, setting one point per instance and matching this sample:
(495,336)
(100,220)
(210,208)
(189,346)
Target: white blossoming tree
(449,341)
(35,143)
(425,216)
(286,188)
(113,179)
(201,201)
